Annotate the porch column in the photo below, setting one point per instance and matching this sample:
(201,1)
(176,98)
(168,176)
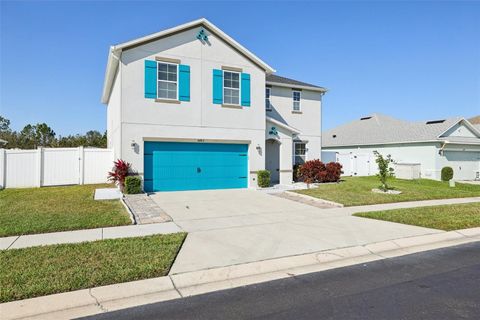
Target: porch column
(286,162)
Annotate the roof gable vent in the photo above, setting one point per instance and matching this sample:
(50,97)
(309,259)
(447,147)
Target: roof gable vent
(435,121)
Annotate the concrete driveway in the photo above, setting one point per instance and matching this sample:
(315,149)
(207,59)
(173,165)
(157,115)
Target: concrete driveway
(229,227)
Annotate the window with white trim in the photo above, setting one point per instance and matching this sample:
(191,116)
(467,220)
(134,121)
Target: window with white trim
(231,87)
(268,106)
(300,152)
(167,81)
(296,95)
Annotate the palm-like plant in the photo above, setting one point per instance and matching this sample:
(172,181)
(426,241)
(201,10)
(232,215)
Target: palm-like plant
(120,171)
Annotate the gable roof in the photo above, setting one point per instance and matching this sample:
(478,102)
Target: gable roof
(116,50)
(381,129)
(273,79)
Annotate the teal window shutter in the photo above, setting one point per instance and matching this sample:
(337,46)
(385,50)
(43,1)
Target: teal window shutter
(217,86)
(245,90)
(184,82)
(150,79)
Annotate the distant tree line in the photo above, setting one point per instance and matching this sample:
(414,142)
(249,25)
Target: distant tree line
(41,135)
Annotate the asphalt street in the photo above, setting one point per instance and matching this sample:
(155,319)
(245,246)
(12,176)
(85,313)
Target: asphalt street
(439,284)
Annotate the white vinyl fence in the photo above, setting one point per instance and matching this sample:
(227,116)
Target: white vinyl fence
(355,164)
(54,166)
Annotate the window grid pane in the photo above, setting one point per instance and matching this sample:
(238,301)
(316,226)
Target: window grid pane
(231,88)
(267,99)
(167,81)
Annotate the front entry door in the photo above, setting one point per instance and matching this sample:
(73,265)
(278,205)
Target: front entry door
(272,160)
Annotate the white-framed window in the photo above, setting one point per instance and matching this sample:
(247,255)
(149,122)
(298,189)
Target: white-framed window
(167,81)
(268,106)
(296,96)
(231,87)
(299,152)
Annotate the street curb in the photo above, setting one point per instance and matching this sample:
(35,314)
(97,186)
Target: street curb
(124,295)
(304,196)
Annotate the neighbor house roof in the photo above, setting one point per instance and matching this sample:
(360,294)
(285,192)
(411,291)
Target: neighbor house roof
(290,83)
(381,129)
(116,50)
(474,120)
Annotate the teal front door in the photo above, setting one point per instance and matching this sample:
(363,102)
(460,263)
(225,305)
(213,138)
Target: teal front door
(177,166)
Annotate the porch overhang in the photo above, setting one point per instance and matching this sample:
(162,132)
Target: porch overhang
(282,125)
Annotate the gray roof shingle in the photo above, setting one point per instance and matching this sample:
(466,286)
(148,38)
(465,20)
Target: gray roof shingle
(381,129)
(282,80)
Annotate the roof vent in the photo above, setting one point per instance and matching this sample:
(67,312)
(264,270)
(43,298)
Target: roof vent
(435,121)
(334,136)
(365,118)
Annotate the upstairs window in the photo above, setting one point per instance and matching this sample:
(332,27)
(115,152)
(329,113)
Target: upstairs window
(231,87)
(300,152)
(296,95)
(167,81)
(268,106)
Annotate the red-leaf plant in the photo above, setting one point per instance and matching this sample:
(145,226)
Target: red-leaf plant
(316,171)
(120,171)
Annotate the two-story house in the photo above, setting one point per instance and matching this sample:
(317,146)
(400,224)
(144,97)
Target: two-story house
(190,108)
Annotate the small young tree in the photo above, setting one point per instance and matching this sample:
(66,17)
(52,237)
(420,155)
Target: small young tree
(384,169)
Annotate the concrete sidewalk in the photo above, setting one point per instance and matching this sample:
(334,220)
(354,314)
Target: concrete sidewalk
(86,302)
(76,236)
(229,227)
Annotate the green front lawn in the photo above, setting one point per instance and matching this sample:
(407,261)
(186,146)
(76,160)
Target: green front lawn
(448,217)
(356,191)
(37,271)
(49,209)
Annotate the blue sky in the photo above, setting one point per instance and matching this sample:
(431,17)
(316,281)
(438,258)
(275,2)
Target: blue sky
(413,60)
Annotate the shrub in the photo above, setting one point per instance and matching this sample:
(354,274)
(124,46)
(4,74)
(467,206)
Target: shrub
(309,172)
(447,173)
(263,178)
(334,170)
(296,176)
(119,172)
(384,169)
(316,171)
(133,185)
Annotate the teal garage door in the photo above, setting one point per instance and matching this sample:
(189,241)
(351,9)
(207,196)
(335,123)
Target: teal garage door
(176,166)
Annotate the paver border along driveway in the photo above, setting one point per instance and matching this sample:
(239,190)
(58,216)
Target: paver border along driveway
(228,227)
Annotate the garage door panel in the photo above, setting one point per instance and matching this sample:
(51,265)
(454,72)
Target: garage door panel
(465,164)
(195,166)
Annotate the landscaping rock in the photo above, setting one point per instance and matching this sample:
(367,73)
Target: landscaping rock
(386,192)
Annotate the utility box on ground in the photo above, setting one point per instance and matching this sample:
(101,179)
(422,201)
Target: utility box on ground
(408,171)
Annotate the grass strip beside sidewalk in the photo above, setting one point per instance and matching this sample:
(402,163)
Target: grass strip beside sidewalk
(50,209)
(37,271)
(447,217)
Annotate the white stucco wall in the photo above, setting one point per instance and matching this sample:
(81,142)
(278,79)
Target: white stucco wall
(199,119)
(114,118)
(308,121)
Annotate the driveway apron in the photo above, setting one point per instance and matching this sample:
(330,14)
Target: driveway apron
(228,227)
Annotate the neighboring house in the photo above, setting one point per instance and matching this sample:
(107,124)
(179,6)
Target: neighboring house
(433,144)
(190,108)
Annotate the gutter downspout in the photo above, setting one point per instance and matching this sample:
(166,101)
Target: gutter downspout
(442,149)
